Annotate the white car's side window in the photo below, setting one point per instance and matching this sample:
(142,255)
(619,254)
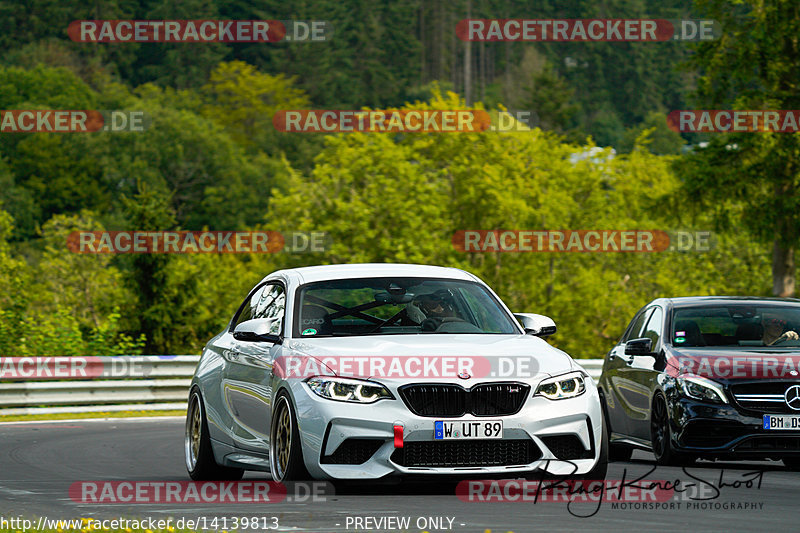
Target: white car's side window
(272,305)
(268,301)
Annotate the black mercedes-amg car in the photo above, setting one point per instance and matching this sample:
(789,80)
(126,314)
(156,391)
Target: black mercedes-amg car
(710,377)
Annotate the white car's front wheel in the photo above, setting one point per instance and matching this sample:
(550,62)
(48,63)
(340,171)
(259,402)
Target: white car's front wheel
(285,452)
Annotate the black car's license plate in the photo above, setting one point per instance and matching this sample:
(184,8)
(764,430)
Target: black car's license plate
(790,422)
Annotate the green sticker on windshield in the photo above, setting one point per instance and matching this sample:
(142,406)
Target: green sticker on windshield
(309,331)
(679,340)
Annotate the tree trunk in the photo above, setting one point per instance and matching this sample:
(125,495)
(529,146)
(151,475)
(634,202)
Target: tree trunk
(468,63)
(782,268)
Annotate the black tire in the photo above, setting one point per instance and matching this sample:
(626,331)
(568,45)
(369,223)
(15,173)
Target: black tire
(199,456)
(285,450)
(616,452)
(661,436)
(619,452)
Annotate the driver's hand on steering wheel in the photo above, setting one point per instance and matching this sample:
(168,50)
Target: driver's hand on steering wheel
(787,336)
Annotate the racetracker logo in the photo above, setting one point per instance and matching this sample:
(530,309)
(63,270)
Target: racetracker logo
(581,241)
(51,367)
(75,367)
(174,242)
(734,121)
(564,491)
(192,242)
(57,121)
(71,121)
(198,31)
(724,367)
(385,121)
(423,366)
(177,492)
(185,242)
(587,30)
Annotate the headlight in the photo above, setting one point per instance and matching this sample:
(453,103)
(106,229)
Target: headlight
(561,387)
(348,390)
(702,389)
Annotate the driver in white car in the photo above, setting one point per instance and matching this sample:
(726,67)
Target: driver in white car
(432,309)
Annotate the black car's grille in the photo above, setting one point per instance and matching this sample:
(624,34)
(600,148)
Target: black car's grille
(353,452)
(468,453)
(763,396)
(449,400)
(566,447)
(711,433)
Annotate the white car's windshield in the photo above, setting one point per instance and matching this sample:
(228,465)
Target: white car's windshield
(391,306)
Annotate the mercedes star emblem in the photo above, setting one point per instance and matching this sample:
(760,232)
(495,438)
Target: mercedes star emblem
(792,397)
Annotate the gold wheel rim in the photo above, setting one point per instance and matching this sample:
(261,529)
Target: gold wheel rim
(196,430)
(283,439)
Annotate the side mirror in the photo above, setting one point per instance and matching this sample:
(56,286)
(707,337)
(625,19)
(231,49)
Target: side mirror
(643,346)
(537,325)
(257,330)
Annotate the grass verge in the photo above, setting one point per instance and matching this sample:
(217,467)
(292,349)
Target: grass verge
(104,414)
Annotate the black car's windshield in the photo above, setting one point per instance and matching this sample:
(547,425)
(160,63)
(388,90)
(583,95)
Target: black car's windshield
(736,325)
(390,306)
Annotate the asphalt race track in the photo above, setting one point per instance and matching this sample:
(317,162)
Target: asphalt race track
(40,461)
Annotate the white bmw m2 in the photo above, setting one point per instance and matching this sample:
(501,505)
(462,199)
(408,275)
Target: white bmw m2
(373,370)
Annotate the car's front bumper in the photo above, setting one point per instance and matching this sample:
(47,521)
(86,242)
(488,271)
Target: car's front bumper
(726,431)
(326,425)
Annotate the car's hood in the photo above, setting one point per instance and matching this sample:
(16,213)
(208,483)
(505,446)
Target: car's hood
(509,357)
(737,363)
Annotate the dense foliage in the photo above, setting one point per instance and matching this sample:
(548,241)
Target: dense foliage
(211,158)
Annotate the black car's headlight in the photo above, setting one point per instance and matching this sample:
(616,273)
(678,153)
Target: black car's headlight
(348,389)
(562,387)
(703,389)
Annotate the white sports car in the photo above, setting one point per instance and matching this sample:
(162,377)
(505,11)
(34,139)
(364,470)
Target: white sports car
(373,370)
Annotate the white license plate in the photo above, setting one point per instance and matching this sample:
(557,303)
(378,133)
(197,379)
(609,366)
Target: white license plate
(782,422)
(468,429)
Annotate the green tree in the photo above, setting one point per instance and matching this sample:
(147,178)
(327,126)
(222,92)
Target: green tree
(751,180)
(243,101)
(437,184)
(88,284)
(551,98)
(150,210)
(47,309)
(661,140)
